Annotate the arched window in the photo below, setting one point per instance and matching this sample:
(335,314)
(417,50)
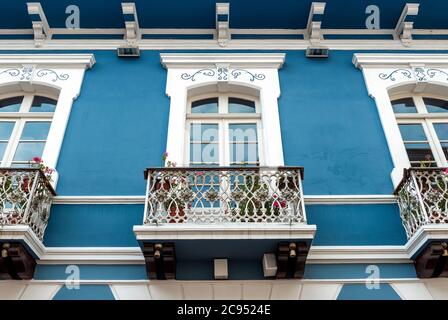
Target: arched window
(25,121)
(223,130)
(423,124)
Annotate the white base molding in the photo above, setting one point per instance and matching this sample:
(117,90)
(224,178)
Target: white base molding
(23,233)
(224,231)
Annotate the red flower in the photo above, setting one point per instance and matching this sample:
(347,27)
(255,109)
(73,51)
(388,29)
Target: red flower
(37,159)
(445,171)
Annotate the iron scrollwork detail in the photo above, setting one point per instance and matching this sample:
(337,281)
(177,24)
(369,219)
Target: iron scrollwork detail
(205,72)
(392,76)
(27,73)
(44,72)
(253,76)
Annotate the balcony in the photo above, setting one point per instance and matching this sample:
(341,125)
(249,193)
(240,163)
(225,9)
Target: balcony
(241,212)
(25,201)
(423,202)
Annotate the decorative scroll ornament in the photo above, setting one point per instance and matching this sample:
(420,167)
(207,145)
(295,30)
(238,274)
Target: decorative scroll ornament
(253,76)
(221,72)
(392,76)
(419,74)
(27,73)
(203,72)
(55,77)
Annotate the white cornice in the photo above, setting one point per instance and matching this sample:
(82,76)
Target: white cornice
(59,60)
(199,60)
(378,60)
(182,44)
(25,234)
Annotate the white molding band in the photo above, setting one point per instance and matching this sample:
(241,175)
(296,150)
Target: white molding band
(253,72)
(317,255)
(224,231)
(309,199)
(61,74)
(385,74)
(201,44)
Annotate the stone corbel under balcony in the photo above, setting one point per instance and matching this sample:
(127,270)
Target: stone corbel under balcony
(25,199)
(423,202)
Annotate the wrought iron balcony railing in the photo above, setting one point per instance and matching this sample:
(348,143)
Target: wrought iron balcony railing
(25,199)
(224,195)
(423,198)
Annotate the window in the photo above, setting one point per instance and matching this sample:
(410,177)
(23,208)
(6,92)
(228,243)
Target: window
(24,125)
(423,124)
(223,131)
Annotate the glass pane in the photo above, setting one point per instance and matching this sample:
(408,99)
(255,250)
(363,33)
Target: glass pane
(43,104)
(6,130)
(445,149)
(420,155)
(405,105)
(2,149)
(243,153)
(204,153)
(412,132)
(27,150)
(11,104)
(203,132)
(35,131)
(243,143)
(205,106)
(243,132)
(237,105)
(441,130)
(436,105)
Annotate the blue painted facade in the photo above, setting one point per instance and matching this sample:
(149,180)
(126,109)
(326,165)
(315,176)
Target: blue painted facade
(118,126)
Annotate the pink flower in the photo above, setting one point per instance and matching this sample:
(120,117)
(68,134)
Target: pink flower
(199,173)
(165,156)
(445,171)
(37,159)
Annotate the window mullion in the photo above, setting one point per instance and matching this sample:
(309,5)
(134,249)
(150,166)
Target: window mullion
(13,142)
(26,103)
(441,159)
(224,152)
(434,143)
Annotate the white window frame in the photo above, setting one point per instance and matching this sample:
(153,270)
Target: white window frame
(20,118)
(246,73)
(427,120)
(54,75)
(391,75)
(223,118)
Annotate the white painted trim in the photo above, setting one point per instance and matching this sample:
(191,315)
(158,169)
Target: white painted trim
(236,60)
(62,73)
(172,282)
(309,199)
(350,199)
(424,234)
(201,44)
(184,74)
(383,75)
(224,231)
(317,255)
(25,234)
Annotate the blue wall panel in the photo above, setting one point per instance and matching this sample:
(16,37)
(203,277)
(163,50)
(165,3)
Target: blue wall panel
(93,225)
(117,128)
(340,225)
(331,126)
(85,292)
(111,225)
(357,291)
(91,272)
(358,271)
